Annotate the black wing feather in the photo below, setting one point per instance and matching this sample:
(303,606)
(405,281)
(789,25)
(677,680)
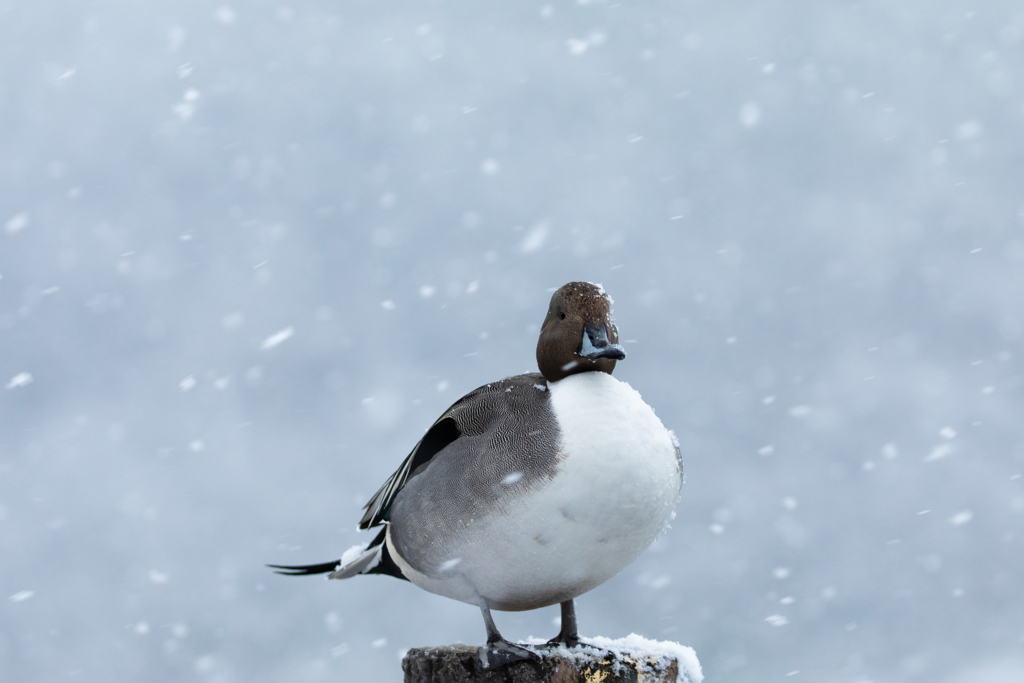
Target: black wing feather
(378,510)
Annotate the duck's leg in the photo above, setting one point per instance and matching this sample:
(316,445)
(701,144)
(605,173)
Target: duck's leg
(498,651)
(568,636)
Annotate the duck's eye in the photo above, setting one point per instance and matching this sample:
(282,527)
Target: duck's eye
(561,316)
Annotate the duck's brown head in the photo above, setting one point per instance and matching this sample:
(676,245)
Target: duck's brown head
(578,334)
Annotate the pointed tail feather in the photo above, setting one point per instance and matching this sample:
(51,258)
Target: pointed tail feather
(307,569)
(370,558)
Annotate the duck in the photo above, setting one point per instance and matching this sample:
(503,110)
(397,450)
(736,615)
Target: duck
(528,491)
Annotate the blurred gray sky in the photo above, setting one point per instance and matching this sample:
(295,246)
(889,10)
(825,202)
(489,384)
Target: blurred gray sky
(249,251)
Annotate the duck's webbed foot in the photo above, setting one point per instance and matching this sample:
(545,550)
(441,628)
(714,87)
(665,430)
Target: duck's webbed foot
(563,639)
(568,636)
(501,652)
(498,652)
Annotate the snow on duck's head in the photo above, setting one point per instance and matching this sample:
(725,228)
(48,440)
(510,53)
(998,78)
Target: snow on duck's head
(578,334)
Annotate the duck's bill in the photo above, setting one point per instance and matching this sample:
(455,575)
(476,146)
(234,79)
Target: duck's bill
(613,351)
(596,345)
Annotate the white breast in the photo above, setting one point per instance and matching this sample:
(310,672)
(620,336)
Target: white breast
(621,466)
(617,484)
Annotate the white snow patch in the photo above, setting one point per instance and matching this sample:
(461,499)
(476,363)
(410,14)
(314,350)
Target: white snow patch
(968,130)
(17,222)
(750,115)
(660,582)
(777,620)
(536,238)
(961,518)
(205,664)
(185,110)
(540,387)
(353,552)
(332,622)
(947,433)
(158,577)
(577,46)
(510,479)
(226,15)
(19,380)
(800,411)
(660,653)
(277,338)
(22,596)
(379,643)
(187,383)
(940,452)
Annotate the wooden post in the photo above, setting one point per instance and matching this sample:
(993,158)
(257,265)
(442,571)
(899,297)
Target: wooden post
(460,664)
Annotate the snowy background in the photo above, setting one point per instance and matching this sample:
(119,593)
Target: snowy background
(250,252)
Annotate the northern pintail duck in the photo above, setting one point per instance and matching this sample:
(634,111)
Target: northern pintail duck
(532,490)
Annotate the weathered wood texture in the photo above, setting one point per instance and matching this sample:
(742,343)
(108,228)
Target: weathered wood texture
(459,664)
